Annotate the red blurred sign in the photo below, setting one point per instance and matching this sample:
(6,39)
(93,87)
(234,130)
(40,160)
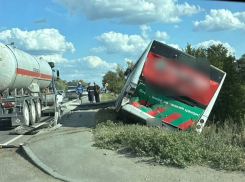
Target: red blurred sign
(182,79)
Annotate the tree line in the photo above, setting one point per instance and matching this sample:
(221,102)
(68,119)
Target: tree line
(62,84)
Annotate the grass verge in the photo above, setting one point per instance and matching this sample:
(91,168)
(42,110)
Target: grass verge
(105,114)
(217,148)
(108,96)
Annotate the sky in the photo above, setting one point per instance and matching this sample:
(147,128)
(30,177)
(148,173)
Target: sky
(86,38)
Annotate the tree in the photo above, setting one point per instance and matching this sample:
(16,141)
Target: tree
(61,84)
(241,65)
(130,64)
(230,102)
(116,79)
(200,52)
(75,82)
(216,55)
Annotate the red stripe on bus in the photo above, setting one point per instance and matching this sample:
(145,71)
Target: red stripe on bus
(142,101)
(171,117)
(156,111)
(135,104)
(186,124)
(32,73)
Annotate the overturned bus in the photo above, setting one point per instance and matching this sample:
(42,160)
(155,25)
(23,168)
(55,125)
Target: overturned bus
(168,88)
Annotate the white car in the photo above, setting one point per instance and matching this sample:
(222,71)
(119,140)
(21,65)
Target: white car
(60,98)
(62,92)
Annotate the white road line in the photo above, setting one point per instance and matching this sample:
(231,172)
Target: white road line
(10,141)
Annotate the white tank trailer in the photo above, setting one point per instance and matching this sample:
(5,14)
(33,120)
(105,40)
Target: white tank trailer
(25,83)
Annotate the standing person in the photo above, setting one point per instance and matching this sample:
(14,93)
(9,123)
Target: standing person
(90,91)
(97,92)
(79,90)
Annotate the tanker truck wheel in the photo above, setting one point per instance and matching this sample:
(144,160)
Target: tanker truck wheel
(39,110)
(26,114)
(33,113)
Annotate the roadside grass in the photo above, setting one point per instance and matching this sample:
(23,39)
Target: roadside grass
(108,96)
(219,148)
(105,114)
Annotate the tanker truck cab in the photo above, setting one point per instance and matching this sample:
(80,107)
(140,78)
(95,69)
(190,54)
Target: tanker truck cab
(23,78)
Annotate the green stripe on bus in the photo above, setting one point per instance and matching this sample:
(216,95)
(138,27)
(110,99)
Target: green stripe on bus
(184,116)
(180,120)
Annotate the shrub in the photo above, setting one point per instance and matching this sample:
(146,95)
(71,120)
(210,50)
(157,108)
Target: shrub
(215,147)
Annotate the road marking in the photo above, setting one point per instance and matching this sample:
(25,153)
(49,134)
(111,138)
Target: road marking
(10,141)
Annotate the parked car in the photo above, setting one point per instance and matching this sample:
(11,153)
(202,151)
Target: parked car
(102,90)
(71,95)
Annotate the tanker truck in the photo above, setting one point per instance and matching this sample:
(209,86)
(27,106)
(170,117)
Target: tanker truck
(27,88)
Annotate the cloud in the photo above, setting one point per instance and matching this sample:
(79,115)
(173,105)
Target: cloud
(118,43)
(128,60)
(96,62)
(220,19)
(129,45)
(208,43)
(98,49)
(56,58)
(176,26)
(43,20)
(144,30)
(38,42)
(90,68)
(161,35)
(131,11)
(46,43)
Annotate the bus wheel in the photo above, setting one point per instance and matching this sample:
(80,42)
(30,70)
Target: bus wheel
(33,113)
(26,114)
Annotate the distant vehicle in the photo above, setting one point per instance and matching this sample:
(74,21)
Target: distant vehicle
(84,91)
(71,86)
(62,92)
(102,90)
(71,95)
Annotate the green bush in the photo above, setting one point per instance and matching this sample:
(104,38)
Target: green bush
(216,148)
(108,96)
(105,114)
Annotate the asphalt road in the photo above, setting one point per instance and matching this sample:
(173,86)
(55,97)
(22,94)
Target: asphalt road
(14,167)
(7,138)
